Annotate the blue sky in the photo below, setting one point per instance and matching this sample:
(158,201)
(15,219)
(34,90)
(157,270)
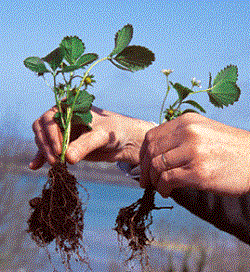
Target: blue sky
(191,37)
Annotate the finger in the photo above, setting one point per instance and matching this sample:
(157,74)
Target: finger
(158,140)
(38,161)
(48,137)
(53,132)
(103,154)
(175,158)
(43,144)
(144,164)
(170,180)
(86,144)
(165,137)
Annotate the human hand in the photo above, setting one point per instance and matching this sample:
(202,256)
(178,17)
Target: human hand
(197,152)
(113,137)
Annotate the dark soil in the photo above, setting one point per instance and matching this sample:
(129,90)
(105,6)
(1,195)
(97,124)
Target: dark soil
(58,215)
(133,223)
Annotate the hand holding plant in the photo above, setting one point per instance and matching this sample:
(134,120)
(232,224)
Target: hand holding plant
(58,213)
(133,222)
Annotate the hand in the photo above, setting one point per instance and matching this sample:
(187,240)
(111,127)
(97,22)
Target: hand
(198,153)
(113,137)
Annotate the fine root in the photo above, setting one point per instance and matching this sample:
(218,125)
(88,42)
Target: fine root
(133,223)
(58,215)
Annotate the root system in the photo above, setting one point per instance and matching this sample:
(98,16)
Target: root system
(133,223)
(58,215)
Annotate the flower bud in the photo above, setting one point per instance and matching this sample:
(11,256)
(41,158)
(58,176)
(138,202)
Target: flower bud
(167,72)
(196,82)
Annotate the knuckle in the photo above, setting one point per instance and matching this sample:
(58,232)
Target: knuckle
(149,136)
(194,129)
(187,124)
(72,156)
(51,159)
(57,148)
(157,164)
(35,125)
(202,176)
(189,117)
(148,152)
(71,159)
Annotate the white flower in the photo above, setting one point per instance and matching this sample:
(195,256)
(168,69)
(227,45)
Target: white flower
(167,72)
(196,82)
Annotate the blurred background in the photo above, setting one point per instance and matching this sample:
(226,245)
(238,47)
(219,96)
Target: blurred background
(191,37)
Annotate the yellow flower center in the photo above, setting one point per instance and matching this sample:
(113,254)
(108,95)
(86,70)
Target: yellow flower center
(88,80)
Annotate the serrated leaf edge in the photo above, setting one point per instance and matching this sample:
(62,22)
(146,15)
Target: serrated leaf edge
(115,52)
(216,80)
(70,37)
(42,62)
(134,63)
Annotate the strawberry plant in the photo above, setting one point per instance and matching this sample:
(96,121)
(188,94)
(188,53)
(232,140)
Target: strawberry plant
(58,214)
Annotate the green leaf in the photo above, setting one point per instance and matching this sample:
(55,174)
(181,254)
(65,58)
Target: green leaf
(224,93)
(230,73)
(119,66)
(81,111)
(86,59)
(74,48)
(182,91)
(83,103)
(82,118)
(122,39)
(224,90)
(55,58)
(81,62)
(135,57)
(35,64)
(190,110)
(69,68)
(195,104)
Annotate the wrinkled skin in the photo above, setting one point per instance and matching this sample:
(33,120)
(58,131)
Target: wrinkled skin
(199,153)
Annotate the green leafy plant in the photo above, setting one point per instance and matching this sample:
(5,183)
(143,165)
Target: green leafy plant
(58,213)
(221,92)
(68,58)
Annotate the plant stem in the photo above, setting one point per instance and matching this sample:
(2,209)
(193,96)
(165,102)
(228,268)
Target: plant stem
(201,91)
(87,72)
(66,135)
(164,101)
(70,110)
(58,101)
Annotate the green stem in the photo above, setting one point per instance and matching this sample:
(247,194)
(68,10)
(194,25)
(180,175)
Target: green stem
(201,91)
(66,136)
(164,101)
(87,72)
(58,102)
(70,110)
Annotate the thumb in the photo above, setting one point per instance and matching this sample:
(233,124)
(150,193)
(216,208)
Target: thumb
(87,143)
(38,161)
